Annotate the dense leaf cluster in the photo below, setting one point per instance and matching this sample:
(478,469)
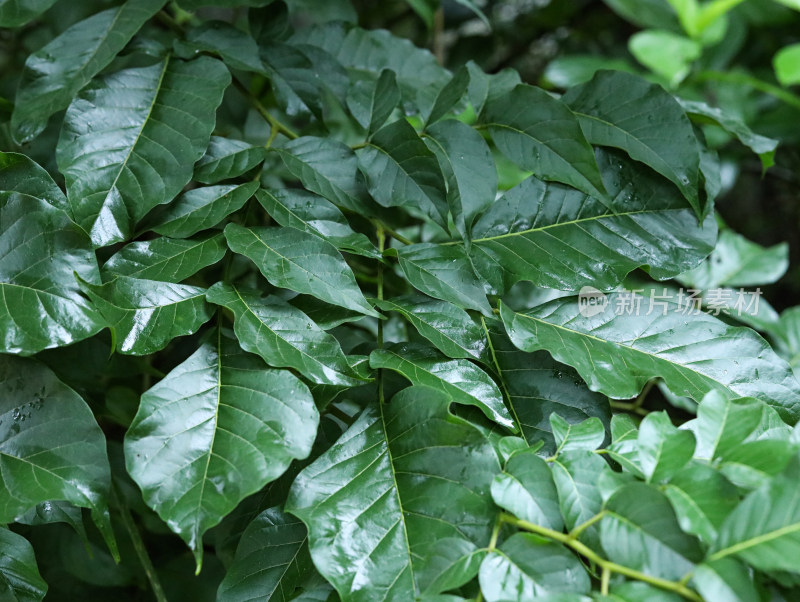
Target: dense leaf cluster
(288,289)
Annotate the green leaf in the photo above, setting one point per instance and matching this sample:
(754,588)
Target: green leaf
(449,96)
(444,272)
(401,171)
(540,134)
(537,387)
(232,45)
(722,424)
(425,9)
(588,435)
(665,53)
(786,63)
(19,576)
(226,158)
(640,531)
(217,428)
(371,102)
(448,327)
(461,380)
(693,357)
(557,237)
(42,306)
(526,489)
(326,167)
(701,498)
(271,560)
(301,262)
(575,474)
(737,262)
(725,580)
(625,111)
(403,492)
(419,75)
(526,568)
(120,161)
(764,529)
(16,13)
(638,591)
(54,74)
(663,449)
(466,162)
(484,86)
(201,208)
(284,336)
(761,145)
(306,211)
(165,259)
(145,315)
(51,447)
(19,173)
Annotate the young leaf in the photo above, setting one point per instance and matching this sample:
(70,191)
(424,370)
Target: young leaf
(725,580)
(301,262)
(448,327)
(219,409)
(575,474)
(145,315)
(281,539)
(764,529)
(201,208)
(51,447)
(54,74)
(165,259)
(663,449)
(306,211)
(367,500)
(227,158)
(558,237)
(626,111)
(693,357)
(540,134)
(19,173)
(468,166)
(401,171)
(327,167)
(19,576)
(461,380)
(526,489)
(284,336)
(444,272)
(42,248)
(526,567)
(640,531)
(588,435)
(702,498)
(120,161)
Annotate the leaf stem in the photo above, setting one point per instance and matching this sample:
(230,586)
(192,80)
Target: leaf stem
(138,546)
(605,565)
(492,545)
(627,406)
(576,532)
(275,125)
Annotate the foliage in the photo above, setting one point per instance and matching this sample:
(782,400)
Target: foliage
(292,312)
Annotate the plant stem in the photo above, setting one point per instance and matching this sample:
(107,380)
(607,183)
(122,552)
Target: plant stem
(138,545)
(274,124)
(492,545)
(753,82)
(576,532)
(380,234)
(605,565)
(627,406)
